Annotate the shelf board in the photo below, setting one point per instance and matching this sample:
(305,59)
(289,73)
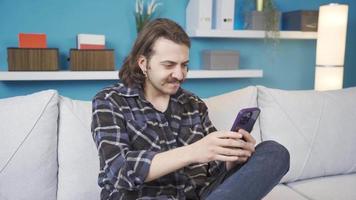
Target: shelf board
(250,34)
(113,75)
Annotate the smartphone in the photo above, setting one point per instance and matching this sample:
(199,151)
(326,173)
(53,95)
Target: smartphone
(246,119)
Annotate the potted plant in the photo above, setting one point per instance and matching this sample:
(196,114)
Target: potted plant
(144,12)
(266,17)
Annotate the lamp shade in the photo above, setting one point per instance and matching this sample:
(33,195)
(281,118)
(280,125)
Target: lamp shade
(330,48)
(332,25)
(328,78)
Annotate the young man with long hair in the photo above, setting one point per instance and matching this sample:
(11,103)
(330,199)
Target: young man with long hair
(156,141)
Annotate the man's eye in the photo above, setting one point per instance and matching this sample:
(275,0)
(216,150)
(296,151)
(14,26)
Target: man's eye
(168,66)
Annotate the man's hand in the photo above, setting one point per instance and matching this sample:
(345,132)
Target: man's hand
(223,146)
(248,147)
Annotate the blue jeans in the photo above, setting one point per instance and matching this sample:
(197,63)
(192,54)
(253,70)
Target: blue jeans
(253,179)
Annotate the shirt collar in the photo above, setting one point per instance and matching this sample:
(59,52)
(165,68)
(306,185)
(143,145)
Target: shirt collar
(137,91)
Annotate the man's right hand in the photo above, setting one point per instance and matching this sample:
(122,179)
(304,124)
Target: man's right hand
(219,145)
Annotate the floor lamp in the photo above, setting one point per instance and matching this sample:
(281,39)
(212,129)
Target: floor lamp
(330,48)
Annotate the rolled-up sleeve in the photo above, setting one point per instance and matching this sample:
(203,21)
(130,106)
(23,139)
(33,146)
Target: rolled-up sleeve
(120,166)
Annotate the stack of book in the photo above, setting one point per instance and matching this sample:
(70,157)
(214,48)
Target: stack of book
(91,54)
(90,41)
(32,54)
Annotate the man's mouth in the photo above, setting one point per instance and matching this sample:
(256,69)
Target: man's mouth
(175,84)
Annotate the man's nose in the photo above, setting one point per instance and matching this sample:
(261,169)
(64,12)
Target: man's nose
(178,73)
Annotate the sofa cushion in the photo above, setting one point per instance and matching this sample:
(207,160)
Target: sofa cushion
(77,154)
(328,188)
(281,192)
(223,108)
(28,146)
(318,129)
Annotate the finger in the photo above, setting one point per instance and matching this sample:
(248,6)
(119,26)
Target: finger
(248,146)
(241,144)
(229,134)
(226,158)
(231,143)
(228,151)
(243,159)
(247,136)
(244,153)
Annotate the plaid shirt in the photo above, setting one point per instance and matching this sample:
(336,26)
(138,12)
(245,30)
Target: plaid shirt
(129,132)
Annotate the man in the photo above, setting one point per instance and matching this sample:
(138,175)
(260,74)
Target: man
(155,140)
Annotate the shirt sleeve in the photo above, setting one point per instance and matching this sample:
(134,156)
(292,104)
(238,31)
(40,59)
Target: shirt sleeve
(215,167)
(120,166)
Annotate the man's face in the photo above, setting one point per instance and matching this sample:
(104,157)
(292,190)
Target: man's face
(167,68)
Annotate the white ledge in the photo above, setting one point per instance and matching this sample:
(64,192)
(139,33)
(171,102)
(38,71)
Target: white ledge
(113,75)
(250,34)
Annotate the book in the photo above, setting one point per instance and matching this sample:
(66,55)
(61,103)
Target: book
(199,15)
(223,14)
(90,41)
(32,40)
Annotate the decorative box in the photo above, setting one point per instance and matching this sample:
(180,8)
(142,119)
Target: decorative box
(300,20)
(32,59)
(220,59)
(92,60)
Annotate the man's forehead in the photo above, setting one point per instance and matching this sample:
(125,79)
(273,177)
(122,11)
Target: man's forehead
(169,50)
(163,44)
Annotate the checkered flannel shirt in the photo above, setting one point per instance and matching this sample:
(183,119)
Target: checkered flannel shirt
(129,132)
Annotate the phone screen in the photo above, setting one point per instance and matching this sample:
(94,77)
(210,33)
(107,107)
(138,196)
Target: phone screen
(246,119)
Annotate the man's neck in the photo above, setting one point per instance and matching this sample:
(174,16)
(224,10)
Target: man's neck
(157,99)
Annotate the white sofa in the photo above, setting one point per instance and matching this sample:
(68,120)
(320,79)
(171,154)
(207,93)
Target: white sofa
(47,150)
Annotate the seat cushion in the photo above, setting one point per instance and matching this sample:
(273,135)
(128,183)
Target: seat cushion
(282,191)
(318,129)
(223,108)
(28,146)
(328,188)
(77,154)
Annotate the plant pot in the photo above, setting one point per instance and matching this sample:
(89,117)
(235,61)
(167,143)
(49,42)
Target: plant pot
(258,20)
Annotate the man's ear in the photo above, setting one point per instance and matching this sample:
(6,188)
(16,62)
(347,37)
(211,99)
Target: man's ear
(142,63)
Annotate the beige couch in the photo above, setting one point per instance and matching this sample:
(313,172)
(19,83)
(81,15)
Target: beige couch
(47,151)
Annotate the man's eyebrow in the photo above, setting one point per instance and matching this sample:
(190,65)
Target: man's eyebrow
(172,62)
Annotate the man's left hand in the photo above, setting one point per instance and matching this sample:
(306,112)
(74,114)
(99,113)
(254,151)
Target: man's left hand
(247,148)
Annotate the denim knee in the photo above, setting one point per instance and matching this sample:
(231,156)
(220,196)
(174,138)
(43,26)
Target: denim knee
(278,153)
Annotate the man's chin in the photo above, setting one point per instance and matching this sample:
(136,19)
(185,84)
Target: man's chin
(172,90)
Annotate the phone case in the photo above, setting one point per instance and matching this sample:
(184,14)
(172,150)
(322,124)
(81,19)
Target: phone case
(246,119)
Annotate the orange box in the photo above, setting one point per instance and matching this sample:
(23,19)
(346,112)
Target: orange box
(32,40)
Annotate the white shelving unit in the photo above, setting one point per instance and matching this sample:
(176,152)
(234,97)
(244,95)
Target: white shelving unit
(193,74)
(113,75)
(250,34)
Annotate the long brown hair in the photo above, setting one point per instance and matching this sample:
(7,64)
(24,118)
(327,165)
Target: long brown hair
(130,73)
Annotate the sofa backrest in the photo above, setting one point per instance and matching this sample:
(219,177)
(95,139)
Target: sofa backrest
(318,129)
(28,146)
(77,154)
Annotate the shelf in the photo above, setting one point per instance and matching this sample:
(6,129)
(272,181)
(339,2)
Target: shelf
(113,75)
(250,34)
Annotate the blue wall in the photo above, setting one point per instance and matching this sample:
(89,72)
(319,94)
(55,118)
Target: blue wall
(289,66)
